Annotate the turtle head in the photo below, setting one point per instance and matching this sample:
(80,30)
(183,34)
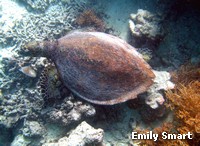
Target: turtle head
(34,49)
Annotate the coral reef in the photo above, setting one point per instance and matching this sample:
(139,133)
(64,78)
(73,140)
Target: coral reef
(17,96)
(184,101)
(54,22)
(151,104)
(32,26)
(154,100)
(38,5)
(20,140)
(33,129)
(145,26)
(89,18)
(161,83)
(10,12)
(186,74)
(27,118)
(18,106)
(82,135)
(20,101)
(68,111)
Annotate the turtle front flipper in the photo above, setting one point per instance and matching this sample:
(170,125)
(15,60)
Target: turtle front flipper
(50,86)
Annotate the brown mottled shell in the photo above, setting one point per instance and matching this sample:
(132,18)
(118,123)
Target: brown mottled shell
(98,67)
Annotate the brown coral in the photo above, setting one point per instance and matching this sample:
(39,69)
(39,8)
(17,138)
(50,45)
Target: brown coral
(185,102)
(186,74)
(89,18)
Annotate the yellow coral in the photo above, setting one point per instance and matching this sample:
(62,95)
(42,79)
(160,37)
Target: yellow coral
(185,100)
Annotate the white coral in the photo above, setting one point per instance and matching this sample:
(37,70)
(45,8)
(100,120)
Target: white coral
(161,82)
(144,23)
(154,100)
(83,135)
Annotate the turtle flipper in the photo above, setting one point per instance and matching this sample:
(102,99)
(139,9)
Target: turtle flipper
(50,84)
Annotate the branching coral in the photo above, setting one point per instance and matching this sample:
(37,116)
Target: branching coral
(186,74)
(185,102)
(90,18)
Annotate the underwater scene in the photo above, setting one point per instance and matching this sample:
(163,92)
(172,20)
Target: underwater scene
(99,73)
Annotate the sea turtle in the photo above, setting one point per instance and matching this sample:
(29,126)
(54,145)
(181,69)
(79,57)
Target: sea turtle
(98,67)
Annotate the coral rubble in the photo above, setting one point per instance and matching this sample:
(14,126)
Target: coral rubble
(33,129)
(68,111)
(145,26)
(82,135)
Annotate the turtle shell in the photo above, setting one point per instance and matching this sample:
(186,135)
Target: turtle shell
(98,67)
